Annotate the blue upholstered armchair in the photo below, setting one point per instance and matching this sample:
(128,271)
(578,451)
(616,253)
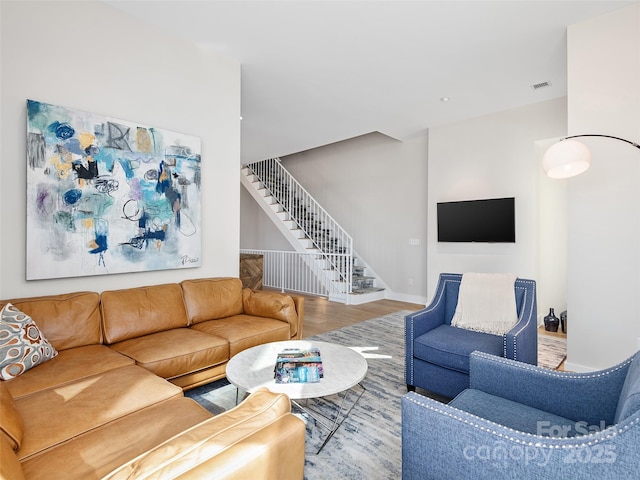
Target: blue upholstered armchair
(518,421)
(437,353)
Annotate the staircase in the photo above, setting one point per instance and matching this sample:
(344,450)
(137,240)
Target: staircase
(324,246)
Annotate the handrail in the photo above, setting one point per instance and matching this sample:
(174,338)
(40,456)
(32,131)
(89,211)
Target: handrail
(326,235)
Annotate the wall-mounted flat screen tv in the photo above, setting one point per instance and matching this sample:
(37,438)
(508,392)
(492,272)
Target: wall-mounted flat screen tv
(491,220)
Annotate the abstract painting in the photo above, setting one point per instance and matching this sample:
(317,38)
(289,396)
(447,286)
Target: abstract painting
(108,196)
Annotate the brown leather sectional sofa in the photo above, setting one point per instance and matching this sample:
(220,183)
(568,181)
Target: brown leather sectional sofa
(111,403)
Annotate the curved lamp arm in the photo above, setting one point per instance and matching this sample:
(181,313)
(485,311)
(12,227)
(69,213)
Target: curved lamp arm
(607,136)
(568,157)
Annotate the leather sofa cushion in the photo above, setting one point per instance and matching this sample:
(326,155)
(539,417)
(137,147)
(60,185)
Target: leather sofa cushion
(261,428)
(134,312)
(67,320)
(245,331)
(175,352)
(271,305)
(201,377)
(211,298)
(450,347)
(98,452)
(57,414)
(11,422)
(69,365)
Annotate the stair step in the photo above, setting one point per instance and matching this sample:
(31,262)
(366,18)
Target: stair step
(272,187)
(276,207)
(361,291)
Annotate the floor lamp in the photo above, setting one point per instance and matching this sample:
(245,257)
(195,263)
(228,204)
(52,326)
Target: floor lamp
(569,158)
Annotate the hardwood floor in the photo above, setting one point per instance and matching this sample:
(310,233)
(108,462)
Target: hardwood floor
(321,315)
(558,334)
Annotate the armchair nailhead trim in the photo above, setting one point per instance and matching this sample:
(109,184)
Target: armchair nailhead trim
(412,319)
(537,440)
(527,309)
(555,373)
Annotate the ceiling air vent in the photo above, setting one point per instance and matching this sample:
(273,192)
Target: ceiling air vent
(538,86)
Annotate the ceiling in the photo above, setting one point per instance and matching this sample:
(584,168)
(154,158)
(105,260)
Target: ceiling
(317,72)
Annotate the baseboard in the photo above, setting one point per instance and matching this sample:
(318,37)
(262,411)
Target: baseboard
(362,298)
(574,367)
(402,297)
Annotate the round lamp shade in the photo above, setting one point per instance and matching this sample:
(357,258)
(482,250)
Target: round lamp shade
(566,159)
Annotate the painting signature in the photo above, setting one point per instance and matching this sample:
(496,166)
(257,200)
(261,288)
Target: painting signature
(187,259)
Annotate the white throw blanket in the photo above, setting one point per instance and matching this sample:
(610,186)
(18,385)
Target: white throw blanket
(486,303)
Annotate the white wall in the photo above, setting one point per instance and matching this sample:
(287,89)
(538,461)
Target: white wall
(492,156)
(257,231)
(385,192)
(604,202)
(88,56)
(375,187)
(552,236)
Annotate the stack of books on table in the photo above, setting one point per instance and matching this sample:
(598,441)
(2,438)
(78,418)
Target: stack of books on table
(294,365)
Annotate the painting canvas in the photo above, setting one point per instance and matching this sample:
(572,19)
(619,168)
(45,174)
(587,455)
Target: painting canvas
(108,196)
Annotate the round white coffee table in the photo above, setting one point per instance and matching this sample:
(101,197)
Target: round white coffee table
(343,369)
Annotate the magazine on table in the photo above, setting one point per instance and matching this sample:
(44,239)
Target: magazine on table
(294,365)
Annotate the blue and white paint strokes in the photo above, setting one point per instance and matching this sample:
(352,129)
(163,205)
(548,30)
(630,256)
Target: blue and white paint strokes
(108,196)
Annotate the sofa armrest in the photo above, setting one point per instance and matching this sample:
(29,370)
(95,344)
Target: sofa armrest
(259,438)
(280,306)
(436,313)
(522,341)
(443,442)
(416,324)
(299,303)
(10,467)
(422,321)
(590,397)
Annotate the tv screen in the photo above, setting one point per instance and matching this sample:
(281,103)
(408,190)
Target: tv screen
(491,220)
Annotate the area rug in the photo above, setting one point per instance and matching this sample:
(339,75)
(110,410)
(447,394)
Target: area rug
(368,444)
(551,351)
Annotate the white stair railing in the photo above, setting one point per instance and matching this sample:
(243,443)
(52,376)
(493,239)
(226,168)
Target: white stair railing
(297,272)
(330,240)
